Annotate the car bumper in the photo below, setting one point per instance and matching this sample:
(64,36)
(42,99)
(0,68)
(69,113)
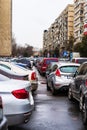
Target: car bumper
(3,124)
(17,119)
(59,86)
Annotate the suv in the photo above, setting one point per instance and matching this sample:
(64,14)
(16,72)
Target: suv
(78,89)
(43,64)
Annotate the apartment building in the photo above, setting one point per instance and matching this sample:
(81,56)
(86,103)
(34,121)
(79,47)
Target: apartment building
(59,32)
(85,17)
(5,27)
(65,25)
(78,20)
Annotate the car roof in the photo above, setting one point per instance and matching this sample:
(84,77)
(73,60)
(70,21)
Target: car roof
(50,58)
(67,63)
(80,58)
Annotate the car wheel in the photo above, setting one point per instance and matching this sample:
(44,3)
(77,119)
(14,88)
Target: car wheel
(54,91)
(70,97)
(81,102)
(84,114)
(48,88)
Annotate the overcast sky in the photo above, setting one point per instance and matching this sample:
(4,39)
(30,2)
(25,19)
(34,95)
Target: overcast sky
(31,17)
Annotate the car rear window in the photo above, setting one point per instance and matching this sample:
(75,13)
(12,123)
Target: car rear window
(68,69)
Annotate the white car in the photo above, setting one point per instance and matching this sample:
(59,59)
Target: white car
(18,102)
(59,75)
(20,70)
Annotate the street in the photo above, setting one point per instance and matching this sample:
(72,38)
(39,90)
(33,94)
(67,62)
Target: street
(52,112)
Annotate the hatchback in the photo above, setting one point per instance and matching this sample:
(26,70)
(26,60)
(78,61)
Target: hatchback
(60,76)
(17,99)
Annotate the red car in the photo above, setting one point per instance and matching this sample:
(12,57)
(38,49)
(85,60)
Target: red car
(43,64)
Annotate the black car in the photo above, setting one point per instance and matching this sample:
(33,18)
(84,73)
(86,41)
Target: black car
(78,90)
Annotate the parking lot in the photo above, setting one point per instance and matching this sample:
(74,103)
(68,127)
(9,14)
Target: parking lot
(52,112)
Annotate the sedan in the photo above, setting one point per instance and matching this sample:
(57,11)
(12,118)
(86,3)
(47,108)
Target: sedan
(18,102)
(60,76)
(10,74)
(78,90)
(32,75)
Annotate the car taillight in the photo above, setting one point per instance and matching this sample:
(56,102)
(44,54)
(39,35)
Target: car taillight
(33,76)
(21,94)
(57,73)
(86,82)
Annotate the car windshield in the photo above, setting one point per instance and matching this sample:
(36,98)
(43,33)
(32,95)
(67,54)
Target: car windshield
(68,69)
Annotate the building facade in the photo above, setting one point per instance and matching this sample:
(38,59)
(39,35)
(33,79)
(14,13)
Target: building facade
(59,32)
(5,27)
(78,20)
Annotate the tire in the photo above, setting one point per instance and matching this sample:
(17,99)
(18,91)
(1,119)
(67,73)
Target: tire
(84,114)
(70,97)
(48,88)
(81,102)
(54,91)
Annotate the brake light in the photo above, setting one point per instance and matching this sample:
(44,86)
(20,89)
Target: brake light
(21,94)
(86,82)
(33,76)
(57,73)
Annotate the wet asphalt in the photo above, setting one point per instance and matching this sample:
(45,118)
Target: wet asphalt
(52,112)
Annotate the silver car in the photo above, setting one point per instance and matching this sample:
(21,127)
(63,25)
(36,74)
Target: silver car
(32,75)
(59,75)
(17,99)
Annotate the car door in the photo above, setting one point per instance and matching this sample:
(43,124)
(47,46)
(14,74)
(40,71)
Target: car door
(78,82)
(51,76)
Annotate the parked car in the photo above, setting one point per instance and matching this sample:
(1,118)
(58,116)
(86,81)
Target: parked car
(18,102)
(79,60)
(3,120)
(22,65)
(78,90)
(60,76)
(42,65)
(10,74)
(24,61)
(32,75)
